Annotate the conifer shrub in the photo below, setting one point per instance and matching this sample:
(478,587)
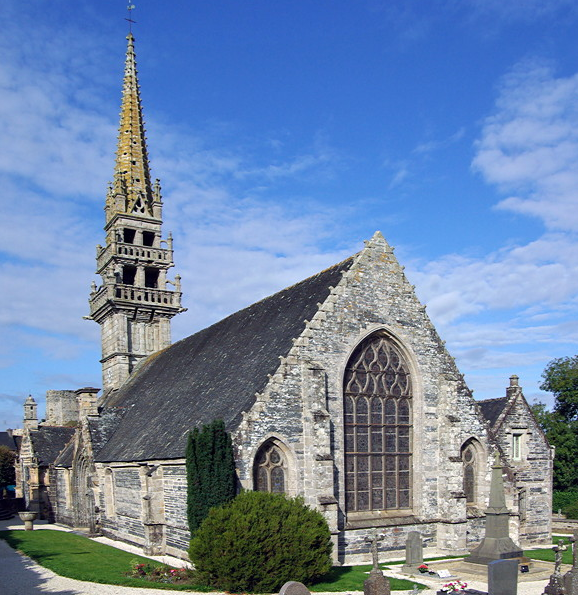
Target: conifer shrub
(258,542)
(210,464)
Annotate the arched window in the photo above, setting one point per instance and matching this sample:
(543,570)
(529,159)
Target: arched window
(470,463)
(270,471)
(378,441)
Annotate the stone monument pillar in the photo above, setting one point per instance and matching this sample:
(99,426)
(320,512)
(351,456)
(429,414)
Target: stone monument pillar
(496,544)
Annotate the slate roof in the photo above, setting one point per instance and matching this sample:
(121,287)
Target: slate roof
(213,374)
(48,441)
(492,408)
(7,440)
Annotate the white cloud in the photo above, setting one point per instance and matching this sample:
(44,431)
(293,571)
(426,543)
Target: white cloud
(529,146)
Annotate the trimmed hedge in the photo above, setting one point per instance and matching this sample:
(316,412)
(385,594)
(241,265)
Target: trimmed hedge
(259,541)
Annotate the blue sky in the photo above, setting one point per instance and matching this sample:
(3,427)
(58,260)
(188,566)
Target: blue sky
(284,134)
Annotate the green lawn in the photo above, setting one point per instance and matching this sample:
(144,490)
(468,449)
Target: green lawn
(547,555)
(78,557)
(351,578)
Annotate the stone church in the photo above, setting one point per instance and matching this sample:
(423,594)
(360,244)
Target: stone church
(337,389)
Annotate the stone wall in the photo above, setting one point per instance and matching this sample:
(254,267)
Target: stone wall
(302,406)
(529,476)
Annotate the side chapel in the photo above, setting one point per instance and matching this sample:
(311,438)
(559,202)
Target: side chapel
(337,388)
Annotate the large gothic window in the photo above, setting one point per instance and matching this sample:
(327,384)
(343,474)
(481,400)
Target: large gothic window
(378,424)
(270,471)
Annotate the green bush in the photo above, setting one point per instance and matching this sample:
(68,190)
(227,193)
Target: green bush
(259,541)
(571,511)
(562,500)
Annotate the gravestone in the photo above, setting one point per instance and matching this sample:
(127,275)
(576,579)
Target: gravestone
(555,585)
(571,577)
(503,577)
(377,583)
(413,552)
(294,588)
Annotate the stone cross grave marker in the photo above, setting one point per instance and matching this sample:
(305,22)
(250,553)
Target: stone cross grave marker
(377,583)
(571,577)
(503,577)
(556,584)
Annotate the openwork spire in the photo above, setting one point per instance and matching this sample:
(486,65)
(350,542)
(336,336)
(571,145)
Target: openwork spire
(131,190)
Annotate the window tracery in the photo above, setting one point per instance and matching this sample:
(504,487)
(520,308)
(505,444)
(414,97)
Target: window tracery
(378,425)
(270,469)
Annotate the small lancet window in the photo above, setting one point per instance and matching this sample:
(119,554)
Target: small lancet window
(470,472)
(270,472)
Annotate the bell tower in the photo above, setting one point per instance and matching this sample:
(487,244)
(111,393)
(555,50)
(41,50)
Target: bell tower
(133,305)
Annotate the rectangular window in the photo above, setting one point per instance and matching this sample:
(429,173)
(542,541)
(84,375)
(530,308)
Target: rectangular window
(517,447)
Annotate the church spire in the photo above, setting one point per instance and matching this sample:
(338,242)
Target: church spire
(131,190)
(133,305)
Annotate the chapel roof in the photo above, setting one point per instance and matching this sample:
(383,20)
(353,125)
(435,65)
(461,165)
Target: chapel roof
(7,439)
(48,441)
(213,374)
(492,408)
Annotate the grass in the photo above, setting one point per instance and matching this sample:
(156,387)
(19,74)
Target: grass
(75,556)
(80,558)
(351,578)
(547,555)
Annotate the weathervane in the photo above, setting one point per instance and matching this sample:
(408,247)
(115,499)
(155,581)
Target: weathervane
(130,8)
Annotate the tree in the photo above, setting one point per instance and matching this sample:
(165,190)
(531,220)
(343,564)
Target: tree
(561,425)
(7,471)
(258,542)
(561,379)
(211,478)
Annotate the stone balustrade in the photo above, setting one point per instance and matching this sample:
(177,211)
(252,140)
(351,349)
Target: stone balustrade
(133,294)
(133,251)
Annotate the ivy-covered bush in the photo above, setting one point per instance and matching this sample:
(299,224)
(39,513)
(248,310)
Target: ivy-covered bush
(258,542)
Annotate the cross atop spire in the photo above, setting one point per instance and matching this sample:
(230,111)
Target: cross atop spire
(129,9)
(131,191)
